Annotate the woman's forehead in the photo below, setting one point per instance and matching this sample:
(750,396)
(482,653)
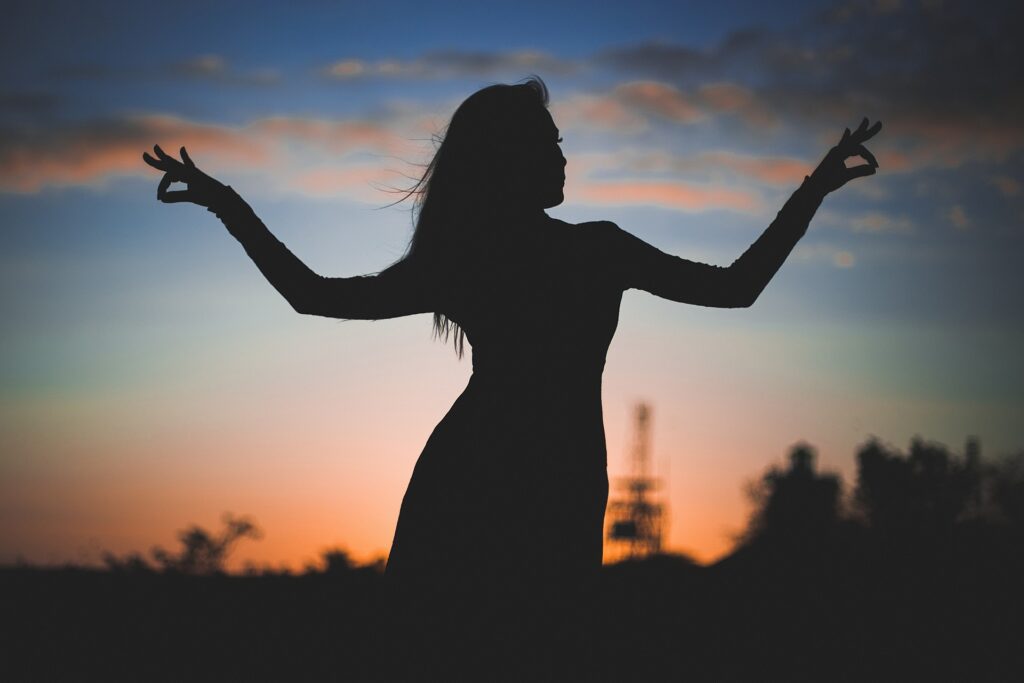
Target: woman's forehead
(542,123)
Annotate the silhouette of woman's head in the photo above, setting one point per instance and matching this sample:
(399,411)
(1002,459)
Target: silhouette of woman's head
(503,146)
(498,163)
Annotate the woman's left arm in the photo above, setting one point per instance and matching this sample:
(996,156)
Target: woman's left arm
(643,266)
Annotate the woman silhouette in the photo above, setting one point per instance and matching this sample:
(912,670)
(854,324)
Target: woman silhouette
(511,486)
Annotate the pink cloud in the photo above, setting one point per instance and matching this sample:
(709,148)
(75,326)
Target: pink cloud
(726,97)
(672,195)
(958,217)
(90,152)
(335,135)
(768,170)
(597,112)
(1008,186)
(778,171)
(362,182)
(878,222)
(627,106)
(658,98)
(913,142)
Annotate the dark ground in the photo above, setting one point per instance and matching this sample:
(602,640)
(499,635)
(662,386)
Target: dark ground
(759,616)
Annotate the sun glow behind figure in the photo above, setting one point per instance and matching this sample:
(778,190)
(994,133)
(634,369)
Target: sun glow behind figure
(150,378)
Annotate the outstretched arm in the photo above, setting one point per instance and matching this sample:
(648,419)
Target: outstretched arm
(394,292)
(739,285)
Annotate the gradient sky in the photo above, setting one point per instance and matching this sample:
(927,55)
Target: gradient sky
(150,377)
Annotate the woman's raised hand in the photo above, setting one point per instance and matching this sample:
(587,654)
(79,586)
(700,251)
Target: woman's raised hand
(200,189)
(832,173)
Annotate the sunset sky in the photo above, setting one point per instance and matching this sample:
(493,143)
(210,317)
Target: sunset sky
(151,378)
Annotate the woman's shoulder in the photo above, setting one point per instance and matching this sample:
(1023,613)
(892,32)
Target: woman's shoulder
(602,243)
(590,229)
(604,238)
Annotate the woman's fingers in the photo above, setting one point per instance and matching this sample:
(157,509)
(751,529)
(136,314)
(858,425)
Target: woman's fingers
(870,132)
(161,189)
(864,133)
(183,171)
(158,165)
(177,196)
(167,166)
(163,162)
(859,171)
(168,197)
(199,189)
(162,154)
(868,156)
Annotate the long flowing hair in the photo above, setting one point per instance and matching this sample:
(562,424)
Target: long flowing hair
(467,183)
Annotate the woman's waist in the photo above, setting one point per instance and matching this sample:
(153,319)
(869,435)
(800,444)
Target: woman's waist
(570,370)
(564,415)
(571,386)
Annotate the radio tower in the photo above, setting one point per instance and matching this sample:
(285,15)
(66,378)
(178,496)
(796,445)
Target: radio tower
(636,522)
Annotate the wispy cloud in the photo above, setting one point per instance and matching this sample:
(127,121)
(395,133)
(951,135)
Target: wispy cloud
(824,253)
(85,153)
(939,74)
(88,153)
(363,182)
(878,222)
(204,67)
(450,64)
(628,107)
(957,215)
(216,68)
(350,157)
(679,195)
(1009,187)
(658,99)
(30,102)
(713,165)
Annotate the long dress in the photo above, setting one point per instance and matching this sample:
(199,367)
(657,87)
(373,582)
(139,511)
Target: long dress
(511,486)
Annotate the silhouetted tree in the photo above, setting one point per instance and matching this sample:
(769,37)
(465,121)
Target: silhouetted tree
(337,561)
(796,506)
(203,553)
(1006,488)
(920,495)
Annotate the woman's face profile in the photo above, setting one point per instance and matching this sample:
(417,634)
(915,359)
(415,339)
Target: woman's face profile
(538,162)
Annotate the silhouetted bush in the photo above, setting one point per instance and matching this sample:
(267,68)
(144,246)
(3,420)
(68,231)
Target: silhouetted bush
(919,496)
(796,506)
(132,563)
(201,552)
(204,553)
(1006,491)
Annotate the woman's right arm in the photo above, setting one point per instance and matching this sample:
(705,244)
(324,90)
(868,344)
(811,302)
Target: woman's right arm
(395,292)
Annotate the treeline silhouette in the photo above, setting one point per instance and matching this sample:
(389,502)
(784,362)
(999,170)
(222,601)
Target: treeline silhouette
(915,573)
(201,553)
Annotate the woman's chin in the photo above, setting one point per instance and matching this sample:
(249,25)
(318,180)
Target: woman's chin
(554,199)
